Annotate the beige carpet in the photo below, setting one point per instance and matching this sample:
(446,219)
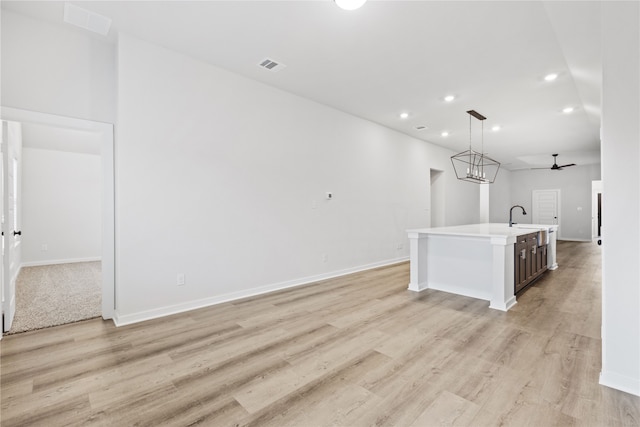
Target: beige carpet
(57,294)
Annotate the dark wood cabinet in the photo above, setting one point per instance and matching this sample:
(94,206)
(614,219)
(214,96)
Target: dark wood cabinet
(520,262)
(530,260)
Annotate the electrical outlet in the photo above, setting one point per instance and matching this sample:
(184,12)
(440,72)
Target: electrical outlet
(400,246)
(180,279)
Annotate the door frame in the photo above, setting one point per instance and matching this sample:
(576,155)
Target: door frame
(108,183)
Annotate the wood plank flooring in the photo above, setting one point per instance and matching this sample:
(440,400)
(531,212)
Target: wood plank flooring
(359,350)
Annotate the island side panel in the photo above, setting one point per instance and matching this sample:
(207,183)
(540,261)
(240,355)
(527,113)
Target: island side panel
(417,261)
(503,297)
(460,265)
(552,263)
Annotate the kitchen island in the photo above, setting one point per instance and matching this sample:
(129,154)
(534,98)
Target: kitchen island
(475,260)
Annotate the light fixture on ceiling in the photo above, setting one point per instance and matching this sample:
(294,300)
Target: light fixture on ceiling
(567,110)
(550,77)
(496,128)
(350,4)
(445,134)
(404,115)
(449,98)
(475,166)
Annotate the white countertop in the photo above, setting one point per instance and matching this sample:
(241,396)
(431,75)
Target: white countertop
(486,230)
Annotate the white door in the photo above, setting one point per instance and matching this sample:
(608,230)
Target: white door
(546,207)
(12,150)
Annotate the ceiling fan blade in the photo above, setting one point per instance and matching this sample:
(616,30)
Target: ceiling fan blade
(565,166)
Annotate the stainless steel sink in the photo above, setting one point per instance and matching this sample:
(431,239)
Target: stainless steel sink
(543,236)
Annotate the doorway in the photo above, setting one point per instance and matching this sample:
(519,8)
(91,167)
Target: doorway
(436,198)
(107,246)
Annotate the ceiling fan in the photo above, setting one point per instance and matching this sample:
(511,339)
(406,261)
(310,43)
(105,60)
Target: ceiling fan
(555,166)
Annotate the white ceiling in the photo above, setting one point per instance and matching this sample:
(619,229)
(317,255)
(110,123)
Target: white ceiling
(395,56)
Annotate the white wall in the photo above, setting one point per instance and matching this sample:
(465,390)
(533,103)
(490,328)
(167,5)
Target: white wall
(60,206)
(224,179)
(56,69)
(575,197)
(500,197)
(516,187)
(621,196)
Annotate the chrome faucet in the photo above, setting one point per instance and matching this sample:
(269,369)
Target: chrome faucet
(511,214)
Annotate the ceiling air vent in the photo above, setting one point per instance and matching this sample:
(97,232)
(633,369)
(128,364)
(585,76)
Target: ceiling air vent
(271,65)
(86,19)
(421,127)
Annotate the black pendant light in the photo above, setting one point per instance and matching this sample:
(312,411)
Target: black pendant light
(473,166)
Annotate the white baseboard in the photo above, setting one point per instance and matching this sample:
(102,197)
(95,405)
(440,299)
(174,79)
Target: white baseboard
(59,261)
(17,273)
(620,382)
(418,287)
(569,239)
(127,319)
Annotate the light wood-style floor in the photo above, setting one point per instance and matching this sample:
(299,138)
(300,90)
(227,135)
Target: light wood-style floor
(357,350)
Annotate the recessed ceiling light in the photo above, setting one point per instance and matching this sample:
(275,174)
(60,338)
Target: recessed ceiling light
(567,110)
(551,77)
(350,4)
(404,115)
(445,134)
(449,98)
(496,128)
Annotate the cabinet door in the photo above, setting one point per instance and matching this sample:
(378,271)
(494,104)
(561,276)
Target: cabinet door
(531,257)
(537,257)
(521,257)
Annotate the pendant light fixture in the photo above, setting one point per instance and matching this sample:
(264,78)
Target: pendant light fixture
(475,166)
(350,4)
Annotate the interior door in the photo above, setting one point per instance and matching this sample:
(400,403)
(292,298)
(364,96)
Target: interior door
(12,150)
(546,207)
